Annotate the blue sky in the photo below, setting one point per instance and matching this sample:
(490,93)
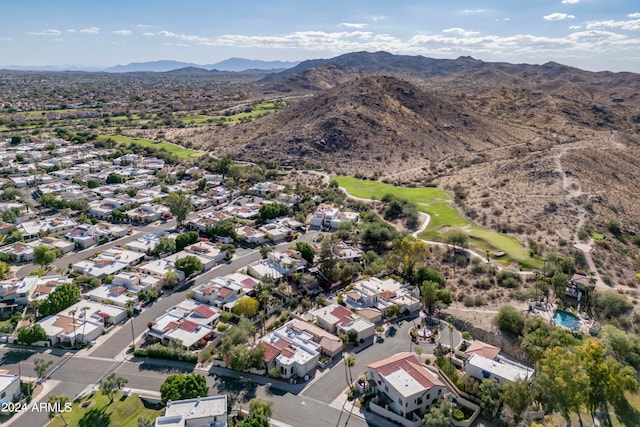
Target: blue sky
(590,34)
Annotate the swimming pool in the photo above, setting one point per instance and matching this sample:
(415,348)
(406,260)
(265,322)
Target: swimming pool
(566,319)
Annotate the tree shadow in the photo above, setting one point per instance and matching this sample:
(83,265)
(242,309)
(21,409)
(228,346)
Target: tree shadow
(16,355)
(236,387)
(627,414)
(95,417)
(163,368)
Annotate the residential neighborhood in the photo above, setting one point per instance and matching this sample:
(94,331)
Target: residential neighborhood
(129,260)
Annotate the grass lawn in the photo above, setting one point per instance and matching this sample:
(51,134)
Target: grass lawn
(123,412)
(444,216)
(197,119)
(176,150)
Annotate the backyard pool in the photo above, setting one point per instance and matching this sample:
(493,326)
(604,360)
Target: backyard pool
(566,319)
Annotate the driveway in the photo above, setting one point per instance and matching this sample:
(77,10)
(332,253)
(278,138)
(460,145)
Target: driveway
(331,383)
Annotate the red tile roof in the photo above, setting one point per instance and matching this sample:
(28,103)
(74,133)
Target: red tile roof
(204,311)
(387,294)
(188,326)
(342,314)
(409,363)
(483,349)
(270,353)
(224,292)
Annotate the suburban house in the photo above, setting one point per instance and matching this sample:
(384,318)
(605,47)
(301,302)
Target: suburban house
(196,311)
(340,217)
(404,389)
(160,268)
(251,235)
(209,411)
(339,320)
(110,262)
(499,368)
(112,294)
(9,388)
(267,268)
(147,213)
(580,287)
(483,349)
(263,188)
(206,220)
(94,311)
(174,328)
(275,232)
(380,294)
(344,252)
(137,282)
(64,329)
(44,285)
(294,352)
(144,244)
(53,226)
(102,209)
(82,236)
(55,243)
(323,216)
(330,344)
(220,292)
(19,252)
(247,211)
(110,231)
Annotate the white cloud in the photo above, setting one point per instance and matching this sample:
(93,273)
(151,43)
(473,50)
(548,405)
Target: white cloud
(177,44)
(92,30)
(631,25)
(633,15)
(460,31)
(148,34)
(49,32)
(351,25)
(557,16)
(570,1)
(474,11)
(123,32)
(143,26)
(5,39)
(575,27)
(378,18)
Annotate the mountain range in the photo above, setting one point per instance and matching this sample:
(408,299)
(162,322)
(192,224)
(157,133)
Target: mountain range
(229,65)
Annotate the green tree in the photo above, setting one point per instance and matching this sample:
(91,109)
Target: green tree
(223,228)
(223,165)
(306,250)
(273,210)
(111,384)
(179,205)
(607,378)
(457,239)
(31,334)
(489,395)
(429,291)
(246,306)
(145,422)
(438,416)
(9,216)
(185,239)
(510,320)
(623,346)
(15,140)
(40,366)
(62,297)
(517,396)
(610,304)
(93,183)
(183,386)
(260,408)
(559,281)
(189,265)
(376,234)
(171,280)
(58,405)
(43,255)
(114,178)
(165,245)
(561,381)
(409,252)
(5,270)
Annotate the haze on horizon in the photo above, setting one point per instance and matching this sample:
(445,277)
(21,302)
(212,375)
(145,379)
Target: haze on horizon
(594,35)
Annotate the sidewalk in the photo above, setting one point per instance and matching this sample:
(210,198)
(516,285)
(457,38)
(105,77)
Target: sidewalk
(47,386)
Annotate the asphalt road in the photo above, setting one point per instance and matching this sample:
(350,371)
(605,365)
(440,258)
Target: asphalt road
(327,388)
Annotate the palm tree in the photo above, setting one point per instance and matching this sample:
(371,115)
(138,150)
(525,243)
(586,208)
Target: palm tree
(84,319)
(129,305)
(451,329)
(73,318)
(349,362)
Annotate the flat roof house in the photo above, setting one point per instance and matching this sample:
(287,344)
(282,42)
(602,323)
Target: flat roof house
(501,369)
(209,411)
